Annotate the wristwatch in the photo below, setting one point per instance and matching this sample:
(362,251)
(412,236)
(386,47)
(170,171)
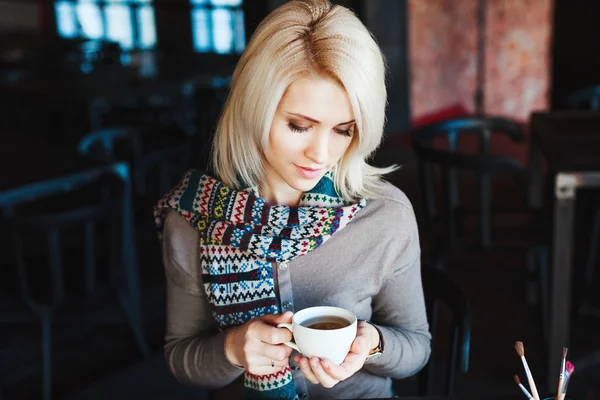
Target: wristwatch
(377,351)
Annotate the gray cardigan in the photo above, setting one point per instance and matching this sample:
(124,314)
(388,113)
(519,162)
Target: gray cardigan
(371,267)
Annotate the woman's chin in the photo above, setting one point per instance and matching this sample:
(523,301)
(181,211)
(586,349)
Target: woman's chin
(302,184)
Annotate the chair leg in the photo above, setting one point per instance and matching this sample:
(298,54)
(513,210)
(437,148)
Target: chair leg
(425,376)
(134,319)
(130,295)
(132,304)
(590,266)
(452,363)
(46,326)
(543,257)
(532,289)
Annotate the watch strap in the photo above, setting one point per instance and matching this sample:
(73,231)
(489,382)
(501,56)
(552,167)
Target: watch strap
(377,351)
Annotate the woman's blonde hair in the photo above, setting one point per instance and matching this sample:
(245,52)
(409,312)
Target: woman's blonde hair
(298,39)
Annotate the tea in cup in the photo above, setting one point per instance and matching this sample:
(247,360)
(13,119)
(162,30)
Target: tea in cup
(323,332)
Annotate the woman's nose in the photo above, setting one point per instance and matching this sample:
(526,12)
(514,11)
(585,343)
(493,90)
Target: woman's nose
(318,148)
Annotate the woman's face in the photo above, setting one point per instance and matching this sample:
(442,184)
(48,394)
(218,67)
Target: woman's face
(311,130)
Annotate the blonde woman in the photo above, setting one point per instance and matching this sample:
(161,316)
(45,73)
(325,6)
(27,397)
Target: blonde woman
(295,217)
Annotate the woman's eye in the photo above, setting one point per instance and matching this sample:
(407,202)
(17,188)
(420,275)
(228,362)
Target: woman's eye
(295,128)
(345,132)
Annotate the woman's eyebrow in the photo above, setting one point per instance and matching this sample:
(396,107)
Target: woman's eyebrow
(317,121)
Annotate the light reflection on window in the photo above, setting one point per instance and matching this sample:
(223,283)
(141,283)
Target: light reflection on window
(118,25)
(218,26)
(147,26)
(223,30)
(89,19)
(231,3)
(202,41)
(65,19)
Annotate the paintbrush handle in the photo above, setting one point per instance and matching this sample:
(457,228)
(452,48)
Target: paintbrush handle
(534,391)
(525,392)
(559,391)
(563,391)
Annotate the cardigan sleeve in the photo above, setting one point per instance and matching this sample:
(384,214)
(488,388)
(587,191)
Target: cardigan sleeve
(399,307)
(194,347)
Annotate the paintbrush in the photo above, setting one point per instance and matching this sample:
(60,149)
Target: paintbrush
(561,378)
(523,389)
(521,352)
(568,372)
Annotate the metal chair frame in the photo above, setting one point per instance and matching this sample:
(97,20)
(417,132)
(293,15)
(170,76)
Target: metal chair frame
(485,165)
(141,163)
(124,272)
(439,288)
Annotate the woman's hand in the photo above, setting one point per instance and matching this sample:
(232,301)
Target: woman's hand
(258,345)
(328,374)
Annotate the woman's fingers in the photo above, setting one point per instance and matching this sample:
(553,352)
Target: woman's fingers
(264,362)
(361,343)
(328,374)
(263,346)
(322,376)
(302,362)
(272,320)
(279,352)
(265,331)
(261,365)
(338,372)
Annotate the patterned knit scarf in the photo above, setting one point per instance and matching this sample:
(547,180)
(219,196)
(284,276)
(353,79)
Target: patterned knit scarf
(240,235)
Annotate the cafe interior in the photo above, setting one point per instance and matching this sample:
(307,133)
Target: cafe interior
(493,115)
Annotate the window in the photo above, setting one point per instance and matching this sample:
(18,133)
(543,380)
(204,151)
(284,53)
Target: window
(218,26)
(127,22)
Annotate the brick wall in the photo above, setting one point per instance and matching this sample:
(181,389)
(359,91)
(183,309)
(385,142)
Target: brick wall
(443,56)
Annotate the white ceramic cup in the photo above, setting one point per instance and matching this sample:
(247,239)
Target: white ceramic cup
(332,344)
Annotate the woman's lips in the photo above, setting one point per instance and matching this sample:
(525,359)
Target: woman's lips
(308,173)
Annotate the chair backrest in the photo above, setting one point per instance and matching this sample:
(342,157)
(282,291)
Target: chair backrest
(440,289)
(163,153)
(450,160)
(82,216)
(103,144)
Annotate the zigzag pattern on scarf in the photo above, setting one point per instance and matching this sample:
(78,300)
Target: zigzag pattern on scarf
(240,235)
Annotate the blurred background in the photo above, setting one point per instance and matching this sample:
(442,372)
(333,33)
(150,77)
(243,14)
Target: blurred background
(494,115)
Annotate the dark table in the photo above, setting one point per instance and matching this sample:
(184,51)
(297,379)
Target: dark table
(570,141)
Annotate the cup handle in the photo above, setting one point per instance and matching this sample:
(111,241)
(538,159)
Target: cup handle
(289,344)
